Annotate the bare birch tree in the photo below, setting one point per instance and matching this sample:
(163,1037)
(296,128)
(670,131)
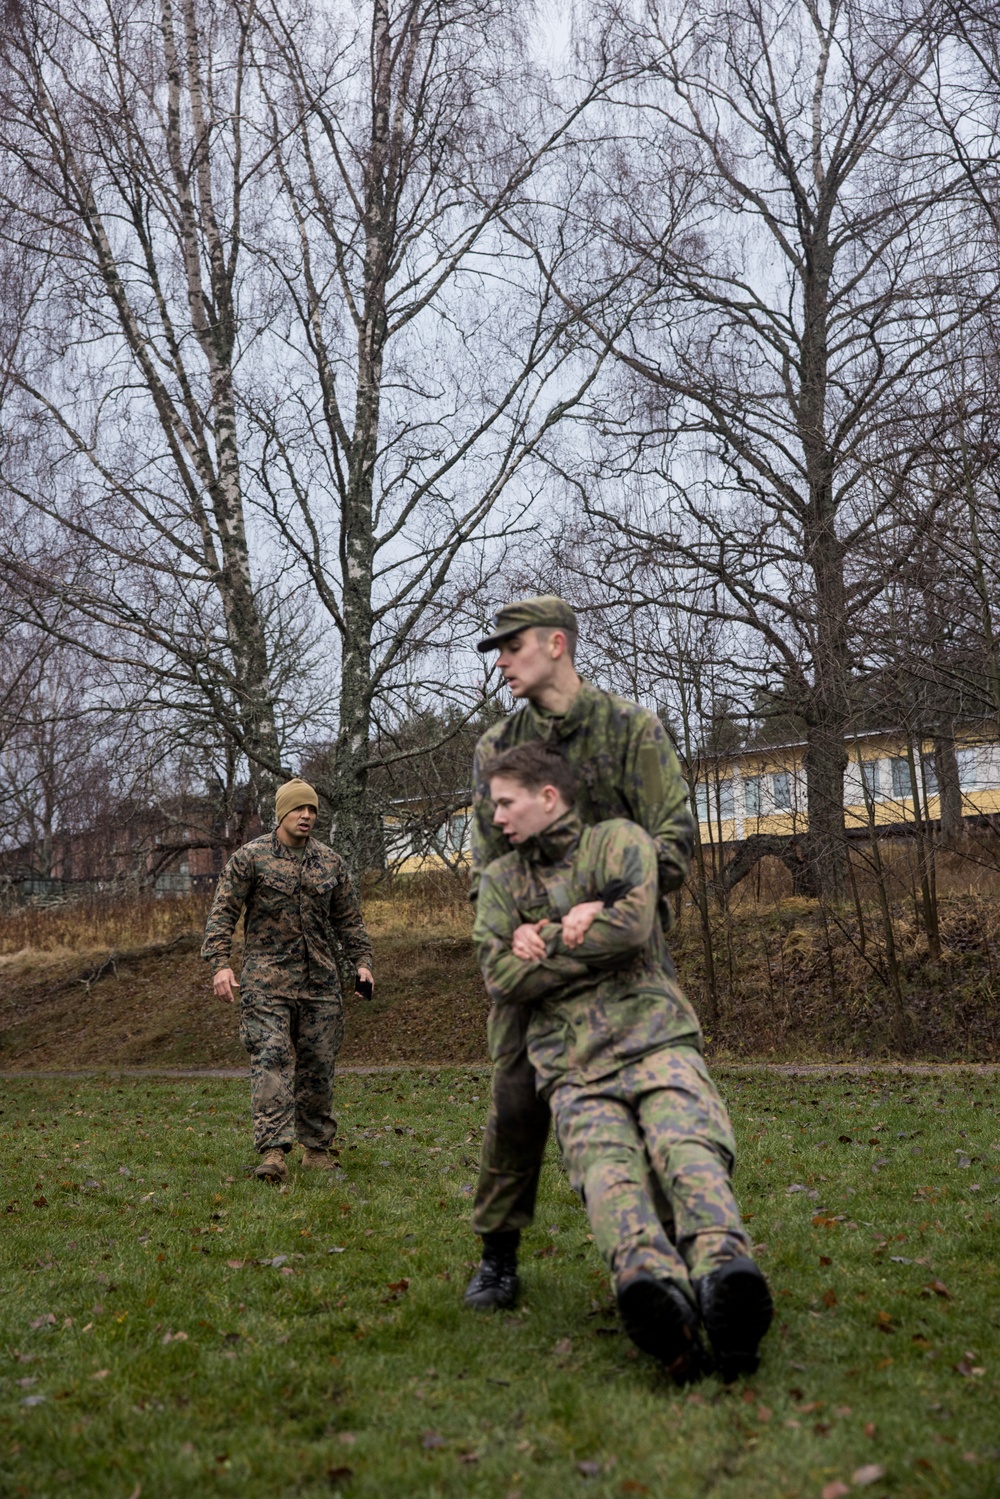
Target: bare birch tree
(779,340)
(129,168)
(427,363)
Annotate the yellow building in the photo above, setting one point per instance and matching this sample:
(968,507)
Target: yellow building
(763,790)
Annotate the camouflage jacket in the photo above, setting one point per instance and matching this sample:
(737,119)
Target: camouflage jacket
(609,1001)
(296,910)
(626,767)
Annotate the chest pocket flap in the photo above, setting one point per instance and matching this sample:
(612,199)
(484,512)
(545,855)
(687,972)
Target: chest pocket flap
(277,877)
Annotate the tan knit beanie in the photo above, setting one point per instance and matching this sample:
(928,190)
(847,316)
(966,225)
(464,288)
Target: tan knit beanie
(294,794)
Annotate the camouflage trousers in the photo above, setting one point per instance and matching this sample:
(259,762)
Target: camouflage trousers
(517,1128)
(293,1045)
(650,1150)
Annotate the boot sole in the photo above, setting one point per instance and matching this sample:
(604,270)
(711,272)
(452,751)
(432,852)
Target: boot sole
(741,1313)
(660,1321)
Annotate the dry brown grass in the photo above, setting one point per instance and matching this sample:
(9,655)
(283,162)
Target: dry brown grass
(98,923)
(431,904)
(435,904)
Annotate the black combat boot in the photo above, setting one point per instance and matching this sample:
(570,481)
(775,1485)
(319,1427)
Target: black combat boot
(494,1285)
(660,1320)
(736,1309)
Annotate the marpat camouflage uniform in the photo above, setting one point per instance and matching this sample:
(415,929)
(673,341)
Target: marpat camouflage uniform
(616,1048)
(626,767)
(291,1015)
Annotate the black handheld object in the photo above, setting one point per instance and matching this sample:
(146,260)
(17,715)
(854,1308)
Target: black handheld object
(363,986)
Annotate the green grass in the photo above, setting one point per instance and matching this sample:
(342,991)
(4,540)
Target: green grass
(360,1373)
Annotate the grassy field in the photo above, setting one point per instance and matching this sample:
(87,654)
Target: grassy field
(170,1327)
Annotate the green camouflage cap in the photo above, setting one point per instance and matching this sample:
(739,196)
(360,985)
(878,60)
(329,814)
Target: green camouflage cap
(548,611)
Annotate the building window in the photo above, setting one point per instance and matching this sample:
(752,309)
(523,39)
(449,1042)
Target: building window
(781,786)
(902,786)
(714,801)
(870,772)
(753,795)
(930,774)
(451,837)
(968,769)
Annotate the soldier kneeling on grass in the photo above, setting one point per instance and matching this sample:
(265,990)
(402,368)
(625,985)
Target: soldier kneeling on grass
(297,897)
(567,923)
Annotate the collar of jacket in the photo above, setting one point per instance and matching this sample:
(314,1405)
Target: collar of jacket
(554,844)
(280,851)
(549,727)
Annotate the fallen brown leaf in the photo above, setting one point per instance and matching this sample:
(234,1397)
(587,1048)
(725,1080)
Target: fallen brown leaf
(431,1440)
(830,1298)
(866,1474)
(835,1490)
(588,1468)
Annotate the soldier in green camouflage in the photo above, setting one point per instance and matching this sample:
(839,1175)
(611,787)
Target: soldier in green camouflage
(566,928)
(297,901)
(626,767)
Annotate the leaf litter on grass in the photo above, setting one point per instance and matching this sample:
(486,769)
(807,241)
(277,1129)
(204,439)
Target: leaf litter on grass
(358,1339)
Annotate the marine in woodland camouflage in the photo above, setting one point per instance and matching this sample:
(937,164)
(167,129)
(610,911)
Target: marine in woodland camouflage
(295,910)
(626,767)
(616,1047)
(293,1045)
(291,1015)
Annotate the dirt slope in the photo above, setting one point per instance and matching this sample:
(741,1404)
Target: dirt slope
(159,1009)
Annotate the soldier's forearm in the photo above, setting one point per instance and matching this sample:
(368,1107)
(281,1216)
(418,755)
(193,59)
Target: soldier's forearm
(617,932)
(517,980)
(674,847)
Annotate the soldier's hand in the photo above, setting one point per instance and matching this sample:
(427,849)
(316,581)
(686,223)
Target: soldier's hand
(367,977)
(224,983)
(527,943)
(576,922)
